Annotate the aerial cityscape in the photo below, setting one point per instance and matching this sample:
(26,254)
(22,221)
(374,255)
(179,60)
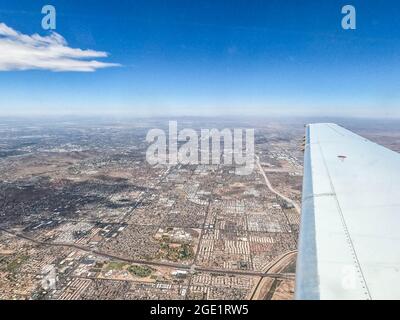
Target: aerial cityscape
(199,151)
(84,216)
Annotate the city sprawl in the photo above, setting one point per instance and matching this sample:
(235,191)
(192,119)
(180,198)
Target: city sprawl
(83,215)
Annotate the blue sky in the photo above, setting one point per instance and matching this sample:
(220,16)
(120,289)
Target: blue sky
(213,58)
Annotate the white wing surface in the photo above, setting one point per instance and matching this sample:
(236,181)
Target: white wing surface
(350,227)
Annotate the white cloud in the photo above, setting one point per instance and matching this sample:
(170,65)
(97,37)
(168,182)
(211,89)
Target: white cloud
(23,52)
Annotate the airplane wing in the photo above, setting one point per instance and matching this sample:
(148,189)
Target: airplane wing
(349,244)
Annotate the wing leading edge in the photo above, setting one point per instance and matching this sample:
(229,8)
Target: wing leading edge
(349,244)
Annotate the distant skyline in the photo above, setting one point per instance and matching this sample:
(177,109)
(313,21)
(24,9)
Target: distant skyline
(211,58)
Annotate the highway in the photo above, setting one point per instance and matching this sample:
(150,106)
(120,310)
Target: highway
(268,183)
(190,267)
(282,261)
